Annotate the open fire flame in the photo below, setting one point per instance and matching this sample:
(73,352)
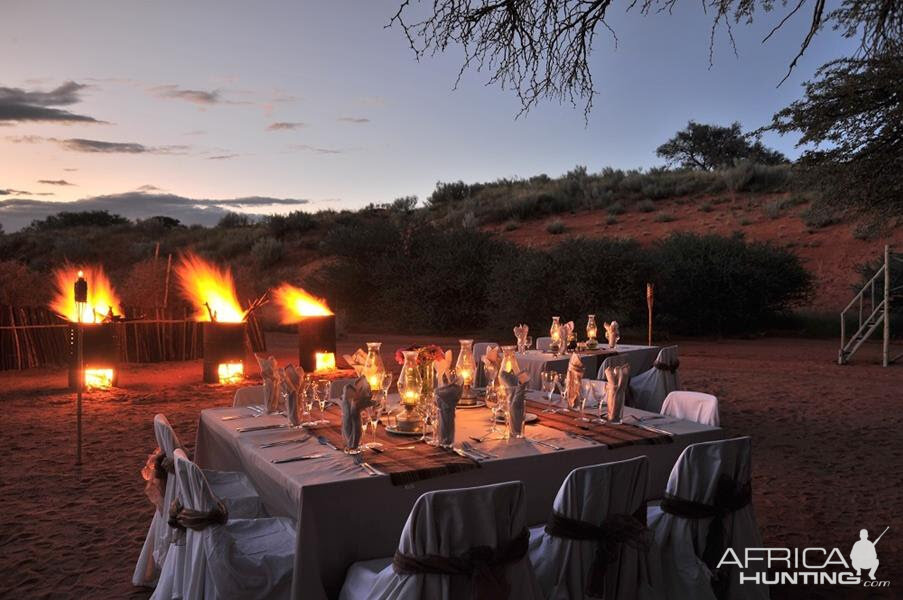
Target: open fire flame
(210,289)
(295,304)
(101,297)
(98,378)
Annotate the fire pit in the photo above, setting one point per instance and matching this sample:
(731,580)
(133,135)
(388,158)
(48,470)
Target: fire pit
(97,313)
(316,327)
(224,352)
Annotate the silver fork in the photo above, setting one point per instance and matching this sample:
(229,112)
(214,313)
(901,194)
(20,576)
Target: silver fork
(359,460)
(471,448)
(544,443)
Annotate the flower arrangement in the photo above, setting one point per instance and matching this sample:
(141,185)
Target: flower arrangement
(428,353)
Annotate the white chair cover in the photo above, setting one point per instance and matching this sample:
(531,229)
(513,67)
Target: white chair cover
(448,523)
(650,388)
(692,406)
(681,541)
(543,343)
(243,559)
(153,564)
(252,395)
(479,350)
(612,361)
(592,494)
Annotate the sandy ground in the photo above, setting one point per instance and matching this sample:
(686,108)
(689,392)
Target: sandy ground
(831,254)
(828,458)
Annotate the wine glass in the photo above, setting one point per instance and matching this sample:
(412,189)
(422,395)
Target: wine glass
(528,343)
(586,393)
(372,415)
(306,396)
(599,396)
(322,390)
(549,381)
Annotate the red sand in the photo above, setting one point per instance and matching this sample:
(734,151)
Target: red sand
(826,441)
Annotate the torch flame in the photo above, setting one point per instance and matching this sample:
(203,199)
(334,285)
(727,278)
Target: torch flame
(101,297)
(295,304)
(206,285)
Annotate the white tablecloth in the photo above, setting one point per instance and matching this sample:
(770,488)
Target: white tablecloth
(344,515)
(535,362)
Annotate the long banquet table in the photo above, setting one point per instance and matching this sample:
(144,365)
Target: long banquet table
(535,362)
(344,515)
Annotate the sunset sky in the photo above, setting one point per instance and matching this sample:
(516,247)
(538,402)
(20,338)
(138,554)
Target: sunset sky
(192,108)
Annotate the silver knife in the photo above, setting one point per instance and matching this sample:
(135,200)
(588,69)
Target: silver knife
(261,427)
(277,461)
(653,429)
(326,442)
(372,469)
(541,442)
(284,442)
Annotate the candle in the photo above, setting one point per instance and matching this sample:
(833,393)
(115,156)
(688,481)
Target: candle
(374,381)
(411,397)
(466,376)
(325,361)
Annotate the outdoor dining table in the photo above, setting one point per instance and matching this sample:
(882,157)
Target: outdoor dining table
(344,514)
(534,362)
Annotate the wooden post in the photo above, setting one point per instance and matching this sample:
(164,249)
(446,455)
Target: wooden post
(78,394)
(649,300)
(886,343)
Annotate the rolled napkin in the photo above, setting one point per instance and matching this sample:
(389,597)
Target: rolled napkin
(573,380)
(270,383)
(566,330)
(356,361)
(447,397)
(520,332)
(291,387)
(356,397)
(515,387)
(618,379)
(443,365)
(612,333)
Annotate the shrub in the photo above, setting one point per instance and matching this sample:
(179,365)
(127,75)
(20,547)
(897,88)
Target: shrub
(706,207)
(294,223)
(232,220)
(774,209)
(664,218)
(711,284)
(266,251)
(511,225)
(88,218)
(819,215)
(556,227)
(753,177)
(645,206)
(616,209)
(611,220)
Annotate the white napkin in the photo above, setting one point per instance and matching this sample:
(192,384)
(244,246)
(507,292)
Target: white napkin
(612,333)
(447,397)
(573,379)
(355,398)
(492,358)
(521,331)
(270,382)
(291,386)
(618,379)
(566,330)
(442,366)
(356,361)
(515,387)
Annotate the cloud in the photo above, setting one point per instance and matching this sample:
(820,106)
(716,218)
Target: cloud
(175,92)
(98,146)
(222,156)
(16,213)
(286,125)
(54,182)
(315,149)
(9,192)
(355,120)
(149,188)
(19,105)
(70,170)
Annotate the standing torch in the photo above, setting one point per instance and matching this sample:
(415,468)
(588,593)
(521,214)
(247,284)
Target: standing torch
(649,299)
(80,292)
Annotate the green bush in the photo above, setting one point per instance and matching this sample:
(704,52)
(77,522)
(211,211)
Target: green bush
(556,227)
(664,218)
(616,209)
(645,206)
(711,284)
(267,251)
(294,223)
(819,215)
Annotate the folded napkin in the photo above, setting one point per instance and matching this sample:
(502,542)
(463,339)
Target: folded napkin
(573,380)
(565,332)
(612,333)
(291,387)
(521,331)
(618,379)
(443,365)
(356,361)
(492,358)
(355,398)
(447,397)
(270,383)
(515,387)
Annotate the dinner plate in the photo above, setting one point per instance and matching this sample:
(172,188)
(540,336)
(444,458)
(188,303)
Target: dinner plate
(394,431)
(528,418)
(479,404)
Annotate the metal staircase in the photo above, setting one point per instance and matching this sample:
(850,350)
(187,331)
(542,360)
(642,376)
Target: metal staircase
(873,312)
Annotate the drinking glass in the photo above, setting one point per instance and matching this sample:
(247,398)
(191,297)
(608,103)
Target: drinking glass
(322,389)
(549,380)
(528,343)
(599,396)
(586,393)
(372,414)
(306,397)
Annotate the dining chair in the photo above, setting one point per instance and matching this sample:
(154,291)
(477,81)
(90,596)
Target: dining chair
(235,488)
(612,361)
(251,395)
(598,507)
(226,557)
(479,350)
(706,509)
(650,388)
(692,406)
(450,539)
(543,343)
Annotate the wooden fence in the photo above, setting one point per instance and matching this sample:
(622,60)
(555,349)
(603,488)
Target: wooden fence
(36,337)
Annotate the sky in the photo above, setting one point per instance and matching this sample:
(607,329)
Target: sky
(190,109)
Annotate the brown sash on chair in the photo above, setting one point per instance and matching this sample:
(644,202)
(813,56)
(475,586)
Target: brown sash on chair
(485,565)
(187,518)
(670,367)
(730,497)
(615,531)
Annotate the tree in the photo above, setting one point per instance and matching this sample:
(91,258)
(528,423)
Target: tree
(87,218)
(710,147)
(540,48)
(852,115)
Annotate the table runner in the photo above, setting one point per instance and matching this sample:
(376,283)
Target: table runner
(613,436)
(403,466)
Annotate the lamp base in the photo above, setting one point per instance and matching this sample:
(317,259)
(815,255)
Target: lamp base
(408,422)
